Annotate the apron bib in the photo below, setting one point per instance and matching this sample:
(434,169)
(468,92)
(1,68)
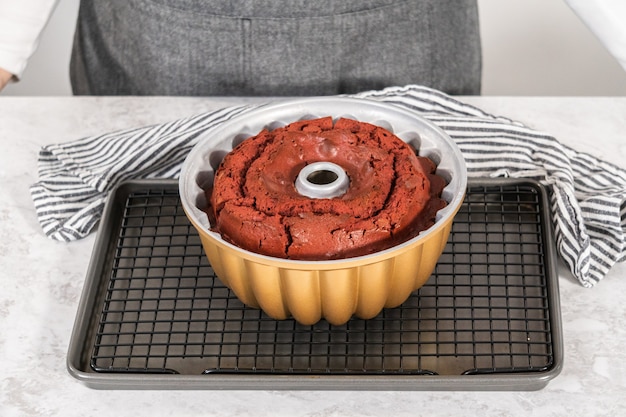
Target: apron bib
(282,48)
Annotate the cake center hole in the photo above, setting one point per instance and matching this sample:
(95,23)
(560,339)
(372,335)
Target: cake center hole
(322,180)
(322,177)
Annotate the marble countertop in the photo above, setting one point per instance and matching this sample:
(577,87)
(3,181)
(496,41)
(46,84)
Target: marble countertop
(42,282)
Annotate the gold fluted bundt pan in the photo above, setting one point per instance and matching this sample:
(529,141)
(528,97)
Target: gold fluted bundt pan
(334,290)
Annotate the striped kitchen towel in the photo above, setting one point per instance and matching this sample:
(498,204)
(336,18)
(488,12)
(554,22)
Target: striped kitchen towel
(588,196)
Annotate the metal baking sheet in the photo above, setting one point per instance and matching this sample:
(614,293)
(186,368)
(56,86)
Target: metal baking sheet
(154,316)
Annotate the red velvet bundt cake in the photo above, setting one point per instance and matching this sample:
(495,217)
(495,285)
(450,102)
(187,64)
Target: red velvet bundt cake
(391,194)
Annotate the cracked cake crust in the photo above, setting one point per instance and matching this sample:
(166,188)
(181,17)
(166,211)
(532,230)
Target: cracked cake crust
(393,193)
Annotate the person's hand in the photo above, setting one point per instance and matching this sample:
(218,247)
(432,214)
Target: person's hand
(5,77)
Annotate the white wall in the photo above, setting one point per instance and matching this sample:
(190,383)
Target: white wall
(530,47)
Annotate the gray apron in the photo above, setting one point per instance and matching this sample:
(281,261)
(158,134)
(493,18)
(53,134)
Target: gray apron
(280,47)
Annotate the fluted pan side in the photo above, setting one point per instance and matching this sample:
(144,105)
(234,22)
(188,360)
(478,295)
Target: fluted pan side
(334,291)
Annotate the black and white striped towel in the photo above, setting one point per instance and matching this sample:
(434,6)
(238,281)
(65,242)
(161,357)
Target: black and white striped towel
(588,195)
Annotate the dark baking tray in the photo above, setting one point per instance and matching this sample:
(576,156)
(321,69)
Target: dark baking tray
(153,315)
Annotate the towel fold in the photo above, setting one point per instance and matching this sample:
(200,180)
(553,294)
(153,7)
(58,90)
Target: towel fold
(587,195)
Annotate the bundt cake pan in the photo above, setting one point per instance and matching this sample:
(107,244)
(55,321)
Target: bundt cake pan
(334,290)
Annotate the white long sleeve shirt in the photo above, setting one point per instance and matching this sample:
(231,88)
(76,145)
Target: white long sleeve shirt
(607,20)
(21,24)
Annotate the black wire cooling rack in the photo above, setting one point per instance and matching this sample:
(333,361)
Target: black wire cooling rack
(153,313)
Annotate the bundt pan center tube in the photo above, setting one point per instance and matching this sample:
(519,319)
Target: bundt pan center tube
(336,289)
(322,180)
